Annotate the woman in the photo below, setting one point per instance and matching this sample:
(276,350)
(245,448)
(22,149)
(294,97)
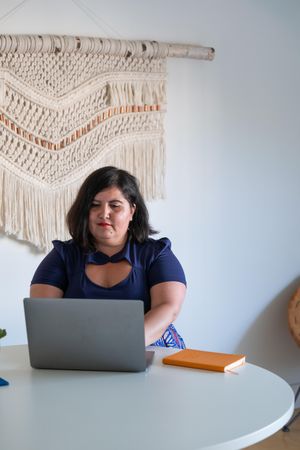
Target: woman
(111,255)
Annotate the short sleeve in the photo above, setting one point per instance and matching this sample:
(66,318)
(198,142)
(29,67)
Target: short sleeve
(52,269)
(165,266)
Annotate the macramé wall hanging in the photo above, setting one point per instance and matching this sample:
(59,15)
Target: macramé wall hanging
(69,105)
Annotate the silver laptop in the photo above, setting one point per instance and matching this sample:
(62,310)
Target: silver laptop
(86,334)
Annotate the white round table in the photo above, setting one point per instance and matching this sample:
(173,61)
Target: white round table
(165,408)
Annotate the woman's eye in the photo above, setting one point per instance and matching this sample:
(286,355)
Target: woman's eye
(114,205)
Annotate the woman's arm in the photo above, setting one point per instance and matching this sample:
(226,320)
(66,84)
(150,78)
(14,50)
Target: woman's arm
(50,278)
(166,301)
(45,290)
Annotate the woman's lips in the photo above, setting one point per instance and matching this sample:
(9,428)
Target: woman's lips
(104,224)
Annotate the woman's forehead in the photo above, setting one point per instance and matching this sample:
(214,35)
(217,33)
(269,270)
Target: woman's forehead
(111,193)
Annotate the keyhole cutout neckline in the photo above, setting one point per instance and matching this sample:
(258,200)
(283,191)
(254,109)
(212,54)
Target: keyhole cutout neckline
(109,274)
(108,271)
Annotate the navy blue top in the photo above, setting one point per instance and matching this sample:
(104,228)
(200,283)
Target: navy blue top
(152,262)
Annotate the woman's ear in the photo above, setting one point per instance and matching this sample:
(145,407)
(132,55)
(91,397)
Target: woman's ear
(133,209)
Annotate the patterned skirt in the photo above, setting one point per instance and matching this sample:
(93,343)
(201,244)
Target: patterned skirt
(170,338)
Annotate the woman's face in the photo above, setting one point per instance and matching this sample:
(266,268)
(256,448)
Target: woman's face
(109,217)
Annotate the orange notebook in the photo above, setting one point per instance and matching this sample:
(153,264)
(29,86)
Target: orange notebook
(198,359)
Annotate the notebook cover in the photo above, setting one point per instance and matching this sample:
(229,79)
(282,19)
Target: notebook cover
(199,359)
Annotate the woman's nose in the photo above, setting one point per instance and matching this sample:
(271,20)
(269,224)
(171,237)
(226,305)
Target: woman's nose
(104,211)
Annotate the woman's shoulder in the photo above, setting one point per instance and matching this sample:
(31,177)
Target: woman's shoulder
(152,248)
(160,262)
(66,249)
(155,243)
(69,244)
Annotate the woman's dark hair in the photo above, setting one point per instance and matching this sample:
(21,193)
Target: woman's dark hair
(106,177)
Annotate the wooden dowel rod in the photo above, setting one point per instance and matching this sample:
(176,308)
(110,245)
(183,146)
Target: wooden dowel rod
(94,45)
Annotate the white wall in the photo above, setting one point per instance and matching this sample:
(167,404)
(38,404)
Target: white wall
(232,132)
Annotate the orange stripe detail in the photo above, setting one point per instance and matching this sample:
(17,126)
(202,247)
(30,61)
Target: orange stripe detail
(77,134)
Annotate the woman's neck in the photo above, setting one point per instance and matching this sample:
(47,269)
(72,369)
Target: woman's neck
(110,249)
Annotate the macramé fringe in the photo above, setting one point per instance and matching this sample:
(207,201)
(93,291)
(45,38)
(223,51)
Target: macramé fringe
(136,93)
(36,213)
